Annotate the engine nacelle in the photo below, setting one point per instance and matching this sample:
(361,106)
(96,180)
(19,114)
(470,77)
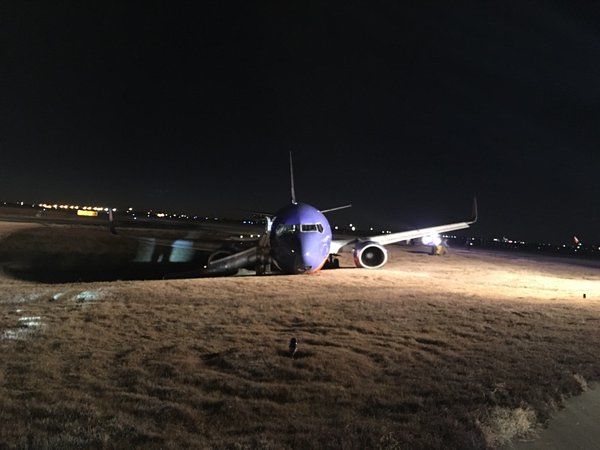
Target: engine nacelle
(218,254)
(370,255)
(216,268)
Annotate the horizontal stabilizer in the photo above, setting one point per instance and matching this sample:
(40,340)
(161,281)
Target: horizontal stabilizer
(336,208)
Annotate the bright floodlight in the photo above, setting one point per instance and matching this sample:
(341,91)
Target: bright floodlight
(432,239)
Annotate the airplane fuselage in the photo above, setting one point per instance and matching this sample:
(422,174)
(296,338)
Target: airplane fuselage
(300,239)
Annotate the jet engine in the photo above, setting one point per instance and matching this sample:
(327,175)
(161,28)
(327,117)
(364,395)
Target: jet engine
(226,262)
(370,255)
(222,269)
(218,255)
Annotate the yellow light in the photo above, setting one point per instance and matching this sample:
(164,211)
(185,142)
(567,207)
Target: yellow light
(82,212)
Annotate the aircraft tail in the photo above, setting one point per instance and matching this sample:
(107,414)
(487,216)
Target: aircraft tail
(293,191)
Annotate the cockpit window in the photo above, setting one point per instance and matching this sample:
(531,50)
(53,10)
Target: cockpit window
(311,227)
(284,229)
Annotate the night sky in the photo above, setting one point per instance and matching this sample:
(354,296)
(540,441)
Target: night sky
(405,110)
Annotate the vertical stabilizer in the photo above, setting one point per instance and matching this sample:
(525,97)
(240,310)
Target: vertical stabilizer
(292,180)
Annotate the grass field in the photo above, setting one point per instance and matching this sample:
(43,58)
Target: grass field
(464,351)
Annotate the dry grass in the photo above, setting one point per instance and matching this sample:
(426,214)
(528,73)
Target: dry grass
(505,424)
(452,352)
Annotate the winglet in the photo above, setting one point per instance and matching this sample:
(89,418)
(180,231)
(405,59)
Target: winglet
(111,222)
(474,213)
(292,180)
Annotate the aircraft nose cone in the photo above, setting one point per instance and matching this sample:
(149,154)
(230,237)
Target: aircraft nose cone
(309,262)
(313,253)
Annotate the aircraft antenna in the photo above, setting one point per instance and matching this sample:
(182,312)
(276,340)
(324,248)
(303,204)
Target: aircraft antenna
(292,180)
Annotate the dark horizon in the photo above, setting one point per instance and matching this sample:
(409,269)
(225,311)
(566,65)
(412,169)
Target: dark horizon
(405,111)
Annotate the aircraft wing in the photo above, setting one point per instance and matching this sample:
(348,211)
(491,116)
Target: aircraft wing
(385,239)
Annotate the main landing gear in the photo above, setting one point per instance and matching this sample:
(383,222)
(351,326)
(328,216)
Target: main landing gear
(263,260)
(332,263)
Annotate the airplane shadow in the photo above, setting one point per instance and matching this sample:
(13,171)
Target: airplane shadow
(68,254)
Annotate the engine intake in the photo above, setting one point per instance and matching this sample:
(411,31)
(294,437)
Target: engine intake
(370,255)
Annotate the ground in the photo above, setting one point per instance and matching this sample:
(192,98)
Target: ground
(468,350)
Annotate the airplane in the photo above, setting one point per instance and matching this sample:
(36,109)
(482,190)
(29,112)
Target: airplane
(299,240)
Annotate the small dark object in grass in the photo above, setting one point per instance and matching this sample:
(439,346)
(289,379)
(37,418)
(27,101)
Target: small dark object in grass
(584,296)
(293,347)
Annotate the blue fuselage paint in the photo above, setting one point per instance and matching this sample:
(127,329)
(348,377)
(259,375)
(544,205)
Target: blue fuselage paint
(300,239)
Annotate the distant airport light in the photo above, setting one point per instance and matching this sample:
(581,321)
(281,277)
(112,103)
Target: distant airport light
(353,228)
(83,212)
